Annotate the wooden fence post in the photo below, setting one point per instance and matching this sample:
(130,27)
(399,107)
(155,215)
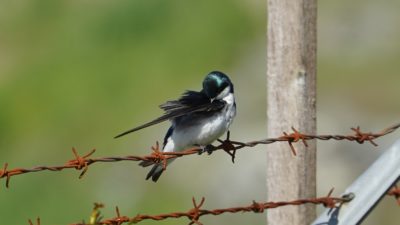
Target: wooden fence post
(291,96)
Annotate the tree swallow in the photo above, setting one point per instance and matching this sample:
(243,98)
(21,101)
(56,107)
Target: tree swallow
(197,118)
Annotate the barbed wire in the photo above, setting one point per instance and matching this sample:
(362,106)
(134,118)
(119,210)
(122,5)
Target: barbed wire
(196,212)
(82,163)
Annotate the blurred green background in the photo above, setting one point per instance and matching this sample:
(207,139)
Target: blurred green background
(76,73)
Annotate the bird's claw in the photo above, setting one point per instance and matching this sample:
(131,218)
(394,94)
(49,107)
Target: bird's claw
(208,148)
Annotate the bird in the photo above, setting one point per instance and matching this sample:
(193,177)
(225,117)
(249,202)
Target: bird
(197,118)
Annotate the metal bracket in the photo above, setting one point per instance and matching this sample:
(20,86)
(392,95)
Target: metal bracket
(367,190)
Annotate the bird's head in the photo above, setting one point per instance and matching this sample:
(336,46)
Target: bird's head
(217,85)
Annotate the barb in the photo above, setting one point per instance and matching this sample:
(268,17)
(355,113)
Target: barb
(95,217)
(82,163)
(196,212)
(37,221)
(395,192)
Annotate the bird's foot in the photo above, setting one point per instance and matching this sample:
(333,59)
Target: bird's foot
(228,146)
(208,148)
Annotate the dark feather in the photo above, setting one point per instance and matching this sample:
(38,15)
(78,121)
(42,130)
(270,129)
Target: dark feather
(167,135)
(155,172)
(190,102)
(188,98)
(146,163)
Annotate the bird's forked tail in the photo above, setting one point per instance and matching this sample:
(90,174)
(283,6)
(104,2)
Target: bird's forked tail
(155,171)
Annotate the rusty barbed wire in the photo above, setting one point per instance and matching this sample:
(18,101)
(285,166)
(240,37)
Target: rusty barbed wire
(196,212)
(82,163)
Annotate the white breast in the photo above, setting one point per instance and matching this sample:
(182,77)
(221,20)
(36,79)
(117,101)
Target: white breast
(204,132)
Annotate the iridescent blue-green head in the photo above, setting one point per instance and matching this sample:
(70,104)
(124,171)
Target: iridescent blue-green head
(217,85)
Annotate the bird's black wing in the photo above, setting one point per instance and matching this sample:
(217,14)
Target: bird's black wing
(191,101)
